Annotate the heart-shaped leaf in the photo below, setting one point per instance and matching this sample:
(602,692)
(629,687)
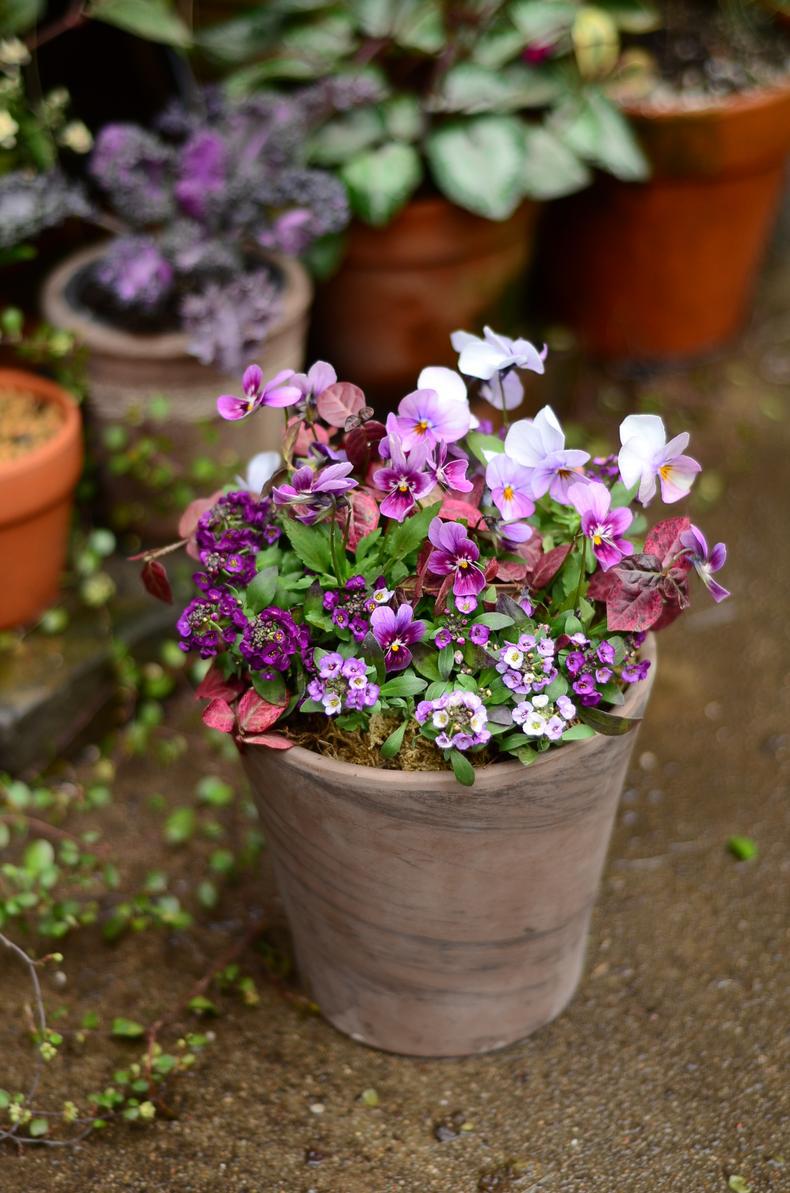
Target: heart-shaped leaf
(663,541)
(339,402)
(219,715)
(255,714)
(363,514)
(548,565)
(214,686)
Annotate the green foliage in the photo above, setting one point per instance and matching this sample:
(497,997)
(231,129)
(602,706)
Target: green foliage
(479,163)
(381,180)
(154,20)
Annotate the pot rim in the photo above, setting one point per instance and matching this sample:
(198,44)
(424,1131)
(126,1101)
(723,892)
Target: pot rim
(297,293)
(59,443)
(356,775)
(770,95)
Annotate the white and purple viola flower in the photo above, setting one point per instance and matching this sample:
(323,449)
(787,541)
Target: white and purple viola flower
(604,527)
(511,487)
(647,459)
(396,633)
(494,353)
(538,444)
(436,412)
(279,392)
(705,562)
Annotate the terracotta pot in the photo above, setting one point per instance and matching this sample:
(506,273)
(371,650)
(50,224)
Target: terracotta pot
(36,497)
(432,919)
(126,371)
(665,269)
(402,289)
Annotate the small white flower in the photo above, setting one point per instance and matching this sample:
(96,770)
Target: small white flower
(513,657)
(13,52)
(260,469)
(8,130)
(382,595)
(358,682)
(539,701)
(478,721)
(332,703)
(535,725)
(441,718)
(449,385)
(77,137)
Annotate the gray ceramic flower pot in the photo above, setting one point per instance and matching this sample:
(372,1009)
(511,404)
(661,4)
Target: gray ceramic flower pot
(431,919)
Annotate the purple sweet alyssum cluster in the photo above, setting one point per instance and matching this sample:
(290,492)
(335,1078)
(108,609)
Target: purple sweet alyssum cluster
(456,630)
(456,721)
(270,641)
(541,717)
(211,623)
(350,607)
(528,664)
(590,668)
(342,685)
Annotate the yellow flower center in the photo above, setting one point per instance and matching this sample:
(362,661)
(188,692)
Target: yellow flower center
(507,493)
(403,486)
(463,563)
(665,471)
(422,427)
(395,646)
(597,539)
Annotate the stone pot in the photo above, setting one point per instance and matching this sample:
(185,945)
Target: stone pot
(127,371)
(431,919)
(36,498)
(664,270)
(402,290)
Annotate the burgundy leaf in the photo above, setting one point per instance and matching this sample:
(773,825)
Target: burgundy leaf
(219,715)
(339,402)
(190,518)
(214,686)
(363,514)
(602,585)
(639,571)
(256,714)
(359,444)
(444,591)
(275,741)
(634,609)
(512,571)
(453,510)
(663,541)
(548,566)
(155,580)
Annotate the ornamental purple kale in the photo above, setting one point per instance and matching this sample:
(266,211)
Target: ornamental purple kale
(271,640)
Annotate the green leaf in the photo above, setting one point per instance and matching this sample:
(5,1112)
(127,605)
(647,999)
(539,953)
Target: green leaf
(472,88)
(127,1029)
(544,21)
(154,20)
(403,118)
(374,656)
(633,16)
(478,163)
(17,16)
(597,131)
(403,685)
(739,1184)
(345,137)
(38,1127)
(380,181)
(410,534)
(551,168)
(394,742)
(462,768)
(479,444)
(494,621)
(272,690)
(607,723)
(413,24)
(311,544)
(578,733)
(744,848)
(446,661)
(261,589)
(38,856)
(180,826)
(200,1005)
(426,661)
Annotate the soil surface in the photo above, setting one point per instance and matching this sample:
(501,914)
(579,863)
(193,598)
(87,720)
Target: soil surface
(26,421)
(668,1072)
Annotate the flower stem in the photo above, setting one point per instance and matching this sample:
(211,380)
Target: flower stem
(582,573)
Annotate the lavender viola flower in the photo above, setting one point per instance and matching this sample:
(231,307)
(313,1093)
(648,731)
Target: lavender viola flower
(705,562)
(646,458)
(279,392)
(455,554)
(425,418)
(449,472)
(271,640)
(512,534)
(312,491)
(460,717)
(505,391)
(312,384)
(603,526)
(395,633)
(450,386)
(495,353)
(511,487)
(539,444)
(404,480)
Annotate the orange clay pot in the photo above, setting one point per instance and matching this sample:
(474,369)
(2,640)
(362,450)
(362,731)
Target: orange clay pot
(402,289)
(36,492)
(665,269)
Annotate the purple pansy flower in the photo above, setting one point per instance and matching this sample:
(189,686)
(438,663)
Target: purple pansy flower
(455,554)
(274,393)
(449,472)
(705,562)
(312,490)
(404,479)
(510,485)
(539,445)
(603,526)
(426,417)
(318,377)
(395,633)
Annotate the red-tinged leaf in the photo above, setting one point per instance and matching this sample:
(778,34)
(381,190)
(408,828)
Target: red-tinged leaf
(360,442)
(275,741)
(191,516)
(602,585)
(663,541)
(453,510)
(214,686)
(255,714)
(363,514)
(444,592)
(155,579)
(219,715)
(339,402)
(634,609)
(548,565)
(492,570)
(512,571)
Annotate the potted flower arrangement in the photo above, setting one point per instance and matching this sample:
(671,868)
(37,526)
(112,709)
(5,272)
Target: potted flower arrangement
(430,644)
(664,269)
(40,462)
(475,114)
(210,214)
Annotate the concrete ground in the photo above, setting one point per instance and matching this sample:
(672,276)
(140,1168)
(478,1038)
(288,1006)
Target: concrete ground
(668,1073)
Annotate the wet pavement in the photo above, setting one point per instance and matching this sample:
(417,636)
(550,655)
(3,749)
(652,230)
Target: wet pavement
(668,1073)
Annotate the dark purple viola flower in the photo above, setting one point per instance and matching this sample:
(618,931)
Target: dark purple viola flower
(272,639)
(405,480)
(312,491)
(705,562)
(455,554)
(202,171)
(604,527)
(395,633)
(448,469)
